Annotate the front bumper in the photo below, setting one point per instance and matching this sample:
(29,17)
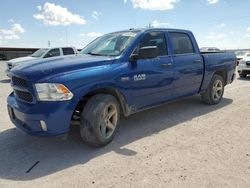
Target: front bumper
(31,117)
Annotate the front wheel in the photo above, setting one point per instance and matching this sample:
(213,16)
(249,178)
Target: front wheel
(215,90)
(99,120)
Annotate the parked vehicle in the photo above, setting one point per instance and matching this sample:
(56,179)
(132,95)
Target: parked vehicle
(40,54)
(118,73)
(241,55)
(244,66)
(209,49)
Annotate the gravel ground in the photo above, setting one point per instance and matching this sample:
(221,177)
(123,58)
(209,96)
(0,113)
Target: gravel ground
(183,144)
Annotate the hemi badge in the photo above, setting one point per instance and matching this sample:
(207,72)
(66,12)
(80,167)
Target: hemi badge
(124,79)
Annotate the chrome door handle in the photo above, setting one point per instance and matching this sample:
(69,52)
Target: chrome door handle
(197,61)
(166,64)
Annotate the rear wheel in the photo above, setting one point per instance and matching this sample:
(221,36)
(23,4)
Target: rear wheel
(215,91)
(99,120)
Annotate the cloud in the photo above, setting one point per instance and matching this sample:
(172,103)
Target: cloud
(156,23)
(52,14)
(12,33)
(153,4)
(17,28)
(210,2)
(10,37)
(91,34)
(11,21)
(39,7)
(216,36)
(96,15)
(221,25)
(248,33)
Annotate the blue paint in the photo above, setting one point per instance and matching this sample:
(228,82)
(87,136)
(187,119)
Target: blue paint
(85,73)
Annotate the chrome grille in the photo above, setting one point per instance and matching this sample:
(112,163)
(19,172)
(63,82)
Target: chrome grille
(21,89)
(24,96)
(19,82)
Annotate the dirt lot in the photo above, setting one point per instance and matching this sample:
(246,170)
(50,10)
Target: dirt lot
(183,144)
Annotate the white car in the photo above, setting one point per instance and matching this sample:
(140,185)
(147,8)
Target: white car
(244,66)
(39,54)
(241,55)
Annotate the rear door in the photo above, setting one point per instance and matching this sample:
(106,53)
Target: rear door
(188,64)
(152,77)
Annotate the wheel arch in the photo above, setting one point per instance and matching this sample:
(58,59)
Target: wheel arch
(223,74)
(105,90)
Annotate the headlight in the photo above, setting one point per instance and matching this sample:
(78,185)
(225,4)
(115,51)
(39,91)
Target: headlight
(52,92)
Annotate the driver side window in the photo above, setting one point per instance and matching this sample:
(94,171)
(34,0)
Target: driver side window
(154,38)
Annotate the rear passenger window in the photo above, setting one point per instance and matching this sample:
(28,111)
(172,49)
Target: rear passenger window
(155,39)
(182,44)
(68,51)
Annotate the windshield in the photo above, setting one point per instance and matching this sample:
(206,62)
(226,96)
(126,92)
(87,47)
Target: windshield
(241,53)
(39,53)
(111,44)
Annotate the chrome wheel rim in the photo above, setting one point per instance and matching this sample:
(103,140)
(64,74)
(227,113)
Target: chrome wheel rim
(110,118)
(217,90)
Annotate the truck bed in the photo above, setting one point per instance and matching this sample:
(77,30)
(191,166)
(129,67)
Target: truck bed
(218,61)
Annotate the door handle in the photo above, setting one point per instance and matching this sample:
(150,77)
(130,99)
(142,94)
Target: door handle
(166,64)
(197,61)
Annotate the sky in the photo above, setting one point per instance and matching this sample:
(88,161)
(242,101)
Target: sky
(215,23)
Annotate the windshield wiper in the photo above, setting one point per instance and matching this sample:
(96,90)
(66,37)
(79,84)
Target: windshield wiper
(96,54)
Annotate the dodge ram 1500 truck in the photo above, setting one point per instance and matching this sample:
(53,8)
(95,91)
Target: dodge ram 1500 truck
(117,74)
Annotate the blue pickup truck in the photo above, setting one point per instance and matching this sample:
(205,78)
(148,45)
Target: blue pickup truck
(117,74)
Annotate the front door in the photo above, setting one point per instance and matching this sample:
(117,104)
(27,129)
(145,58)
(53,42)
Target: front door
(152,78)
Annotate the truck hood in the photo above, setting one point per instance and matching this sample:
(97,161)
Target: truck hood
(21,59)
(39,69)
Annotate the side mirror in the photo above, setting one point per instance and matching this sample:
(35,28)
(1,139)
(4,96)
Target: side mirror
(147,52)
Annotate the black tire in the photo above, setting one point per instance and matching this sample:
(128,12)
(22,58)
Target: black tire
(212,95)
(243,75)
(96,127)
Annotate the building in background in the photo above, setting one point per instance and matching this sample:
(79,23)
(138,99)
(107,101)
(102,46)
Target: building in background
(11,53)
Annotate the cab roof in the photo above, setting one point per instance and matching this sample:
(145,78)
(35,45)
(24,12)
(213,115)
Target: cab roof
(155,29)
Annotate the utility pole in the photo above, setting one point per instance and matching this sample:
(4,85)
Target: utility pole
(66,33)
(49,43)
